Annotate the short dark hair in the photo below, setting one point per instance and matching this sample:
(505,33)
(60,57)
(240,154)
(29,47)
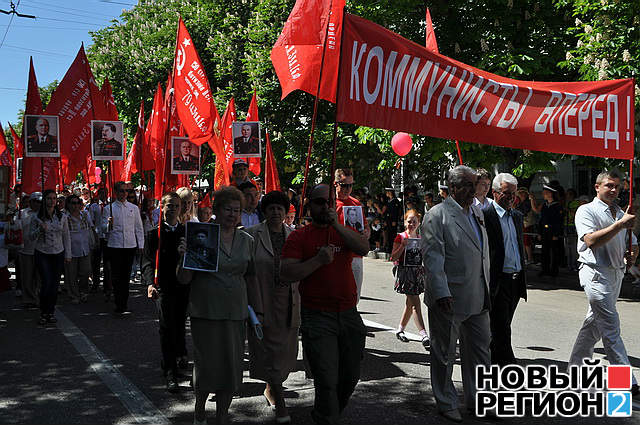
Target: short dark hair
(70,199)
(275,197)
(247,185)
(117,185)
(225,195)
(111,126)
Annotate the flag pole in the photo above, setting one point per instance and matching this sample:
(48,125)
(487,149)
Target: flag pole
(42,174)
(630,206)
(314,116)
(459,152)
(332,192)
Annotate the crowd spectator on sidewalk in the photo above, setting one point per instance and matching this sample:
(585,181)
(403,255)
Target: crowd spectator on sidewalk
(276,303)
(344,185)
(77,271)
(551,230)
(218,309)
(392,216)
(508,281)
(482,189)
(100,253)
(170,297)
(29,276)
(456,254)
(50,231)
(409,278)
(333,335)
(123,225)
(603,255)
(428,202)
(149,219)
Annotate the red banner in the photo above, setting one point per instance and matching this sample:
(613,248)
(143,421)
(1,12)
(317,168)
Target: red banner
(252,115)
(133,163)
(389,82)
(271,178)
(17,153)
(297,54)
(154,134)
(430,40)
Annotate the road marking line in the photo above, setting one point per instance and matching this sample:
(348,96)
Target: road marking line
(411,336)
(138,405)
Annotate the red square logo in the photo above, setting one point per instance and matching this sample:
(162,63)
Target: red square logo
(619,377)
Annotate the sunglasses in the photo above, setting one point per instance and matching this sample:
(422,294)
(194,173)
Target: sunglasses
(320,201)
(346,185)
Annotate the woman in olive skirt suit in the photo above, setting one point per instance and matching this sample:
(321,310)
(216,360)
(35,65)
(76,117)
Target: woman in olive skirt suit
(218,310)
(276,303)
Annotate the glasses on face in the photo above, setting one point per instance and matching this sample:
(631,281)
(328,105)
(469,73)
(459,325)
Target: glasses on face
(507,194)
(320,201)
(345,185)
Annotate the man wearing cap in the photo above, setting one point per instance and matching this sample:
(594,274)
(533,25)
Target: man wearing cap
(603,231)
(333,335)
(26,260)
(240,172)
(344,186)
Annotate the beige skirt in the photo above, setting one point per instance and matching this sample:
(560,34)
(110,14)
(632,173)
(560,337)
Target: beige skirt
(218,351)
(272,359)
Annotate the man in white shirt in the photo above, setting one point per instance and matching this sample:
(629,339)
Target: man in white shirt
(603,230)
(123,225)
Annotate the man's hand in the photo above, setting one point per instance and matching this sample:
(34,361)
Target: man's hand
(325,255)
(67,260)
(152,292)
(628,220)
(445,304)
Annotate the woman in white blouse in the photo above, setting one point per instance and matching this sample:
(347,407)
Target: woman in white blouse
(50,231)
(76,272)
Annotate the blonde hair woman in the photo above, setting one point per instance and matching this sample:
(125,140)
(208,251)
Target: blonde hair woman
(188,211)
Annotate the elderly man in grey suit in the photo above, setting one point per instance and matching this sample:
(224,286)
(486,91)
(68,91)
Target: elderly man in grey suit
(456,256)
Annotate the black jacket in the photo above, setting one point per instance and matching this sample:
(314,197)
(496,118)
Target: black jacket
(168,260)
(496,248)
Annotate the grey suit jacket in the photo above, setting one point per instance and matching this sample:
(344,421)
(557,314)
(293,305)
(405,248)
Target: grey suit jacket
(457,264)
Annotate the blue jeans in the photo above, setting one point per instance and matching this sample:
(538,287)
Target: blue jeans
(50,268)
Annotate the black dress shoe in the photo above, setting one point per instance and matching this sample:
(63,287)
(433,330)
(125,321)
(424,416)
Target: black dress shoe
(172,382)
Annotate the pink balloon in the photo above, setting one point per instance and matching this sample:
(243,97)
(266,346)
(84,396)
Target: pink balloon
(98,171)
(401,143)
(98,179)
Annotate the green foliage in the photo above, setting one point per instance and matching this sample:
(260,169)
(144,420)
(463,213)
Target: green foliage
(519,39)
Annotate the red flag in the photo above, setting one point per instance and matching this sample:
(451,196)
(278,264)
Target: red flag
(154,134)
(431,42)
(17,153)
(5,156)
(132,164)
(271,178)
(76,101)
(252,115)
(3,142)
(227,133)
(192,95)
(35,171)
(110,113)
(297,55)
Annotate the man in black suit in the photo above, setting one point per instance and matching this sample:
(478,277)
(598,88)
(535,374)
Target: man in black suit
(42,141)
(185,161)
(507,277)
(247,143)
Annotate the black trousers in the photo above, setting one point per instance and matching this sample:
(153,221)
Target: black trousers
(121,260)
(503,306)
(552,252)
(172,313)
(333,344)
(99,254)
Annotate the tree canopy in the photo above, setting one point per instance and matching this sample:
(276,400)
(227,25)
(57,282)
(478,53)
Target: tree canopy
(528,40)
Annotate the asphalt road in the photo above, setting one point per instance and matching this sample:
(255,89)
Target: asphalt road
(97,368)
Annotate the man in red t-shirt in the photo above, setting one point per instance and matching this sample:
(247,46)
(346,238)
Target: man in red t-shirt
(333,336)
(344,186)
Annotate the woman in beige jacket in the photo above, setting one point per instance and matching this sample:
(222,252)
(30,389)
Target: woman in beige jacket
(277,305)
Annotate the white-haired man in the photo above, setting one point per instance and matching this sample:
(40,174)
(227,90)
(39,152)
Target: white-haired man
(506,254)
(603,256)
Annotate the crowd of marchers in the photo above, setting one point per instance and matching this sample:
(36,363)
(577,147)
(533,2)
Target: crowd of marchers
(279,277)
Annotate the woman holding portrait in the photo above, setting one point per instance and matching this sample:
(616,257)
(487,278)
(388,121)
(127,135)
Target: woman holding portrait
(276,303)
(218,306)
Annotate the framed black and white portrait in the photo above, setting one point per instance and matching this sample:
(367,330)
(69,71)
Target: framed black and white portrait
(185,156)
(412,254)
(353,217)
(107,141)
(43,136)
(203,245)
(246,139)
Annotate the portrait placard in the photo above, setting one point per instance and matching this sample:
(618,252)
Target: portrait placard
(353,217)
(412,254)
(107,141)
(19,170)
(246,139)
(185,156)
(43,136)
(203,245)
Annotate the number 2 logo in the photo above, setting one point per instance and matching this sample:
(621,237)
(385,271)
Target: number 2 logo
(619,404)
